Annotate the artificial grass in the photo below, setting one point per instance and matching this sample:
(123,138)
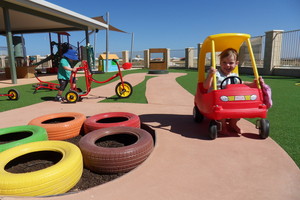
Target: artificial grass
(28,98)
(283,116)
(137,96)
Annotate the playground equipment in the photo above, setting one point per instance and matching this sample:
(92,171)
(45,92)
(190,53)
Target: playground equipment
(234,100)
(55,58)
(12,94)
(123,89)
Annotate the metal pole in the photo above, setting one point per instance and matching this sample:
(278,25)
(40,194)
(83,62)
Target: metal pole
(9,41)
(132,42)
(107,37)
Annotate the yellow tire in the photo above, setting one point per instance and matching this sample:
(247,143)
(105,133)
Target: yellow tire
(56,179)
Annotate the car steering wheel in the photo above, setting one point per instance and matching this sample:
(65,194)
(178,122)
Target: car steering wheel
(232,78)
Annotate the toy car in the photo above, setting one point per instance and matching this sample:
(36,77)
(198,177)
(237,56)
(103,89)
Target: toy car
(234,100)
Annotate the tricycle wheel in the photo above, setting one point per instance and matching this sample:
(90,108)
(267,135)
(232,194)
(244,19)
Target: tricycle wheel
(72,97)
(198,117)
(123,90)
(264,128)
(13,94)
(213,129)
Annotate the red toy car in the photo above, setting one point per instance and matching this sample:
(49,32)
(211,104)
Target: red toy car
(232,101)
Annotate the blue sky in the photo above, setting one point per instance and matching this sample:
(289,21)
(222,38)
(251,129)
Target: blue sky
(174,24)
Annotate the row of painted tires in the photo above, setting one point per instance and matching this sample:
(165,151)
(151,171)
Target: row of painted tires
(95,158)
(66,125)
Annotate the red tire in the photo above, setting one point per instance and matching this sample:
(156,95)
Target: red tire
(111,119)
(115,160)
(60,126)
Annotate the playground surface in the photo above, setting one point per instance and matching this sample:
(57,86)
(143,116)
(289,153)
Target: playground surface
(184,164)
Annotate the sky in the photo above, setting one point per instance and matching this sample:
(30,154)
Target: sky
(173,24)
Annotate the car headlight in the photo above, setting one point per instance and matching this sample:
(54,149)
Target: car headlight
(253,97)
(224,98)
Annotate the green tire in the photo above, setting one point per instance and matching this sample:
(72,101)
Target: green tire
(30,133)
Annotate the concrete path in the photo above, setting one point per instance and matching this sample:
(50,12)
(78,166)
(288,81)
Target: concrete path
(185,164)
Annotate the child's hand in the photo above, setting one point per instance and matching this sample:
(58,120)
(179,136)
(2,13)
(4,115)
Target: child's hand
(212,71)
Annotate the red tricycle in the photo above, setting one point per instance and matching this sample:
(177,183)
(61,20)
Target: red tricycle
(234,100)
(123,89)
(12,94)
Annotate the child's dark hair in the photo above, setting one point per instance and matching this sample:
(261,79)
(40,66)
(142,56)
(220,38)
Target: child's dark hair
(229,52)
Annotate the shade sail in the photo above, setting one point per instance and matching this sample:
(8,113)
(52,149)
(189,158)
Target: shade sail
(32,16)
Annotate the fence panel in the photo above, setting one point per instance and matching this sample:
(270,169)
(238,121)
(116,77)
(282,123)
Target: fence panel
(258,47)
(290,49)
(177,58)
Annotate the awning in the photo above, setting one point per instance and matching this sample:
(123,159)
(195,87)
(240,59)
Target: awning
(111,28)
(33,16)
(36,16)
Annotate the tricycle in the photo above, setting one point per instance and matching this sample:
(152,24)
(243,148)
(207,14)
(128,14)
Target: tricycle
(234,100)
(12,94)
(123,89)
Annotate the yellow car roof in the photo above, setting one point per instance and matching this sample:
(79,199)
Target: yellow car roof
(223,41)
(219,42)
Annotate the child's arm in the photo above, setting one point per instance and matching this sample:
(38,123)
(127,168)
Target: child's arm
(208,81)
(70,69)
(254,83)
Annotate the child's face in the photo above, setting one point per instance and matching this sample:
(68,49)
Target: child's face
(228,64)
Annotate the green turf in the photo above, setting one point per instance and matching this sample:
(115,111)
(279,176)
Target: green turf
(138,94)
(284,116)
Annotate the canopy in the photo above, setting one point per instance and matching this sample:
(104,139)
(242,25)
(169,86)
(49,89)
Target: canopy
(32,16)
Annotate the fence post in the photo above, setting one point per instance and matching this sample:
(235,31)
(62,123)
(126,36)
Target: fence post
(272,50)
(189,57)
(125,57)
(199,46)
(146,58)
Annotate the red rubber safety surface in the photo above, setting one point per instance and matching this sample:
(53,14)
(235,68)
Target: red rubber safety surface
(115,160)
(111,119)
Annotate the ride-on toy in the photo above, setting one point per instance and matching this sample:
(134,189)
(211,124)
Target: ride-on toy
(12,94)
(234,100)
(123,89)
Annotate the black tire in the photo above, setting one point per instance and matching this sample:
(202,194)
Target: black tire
(111,119)
(213,129)
(13,94)
(158,72)
(198,117)
(264,128)
(17,135)
(115,160)
(72,97)
(124,92)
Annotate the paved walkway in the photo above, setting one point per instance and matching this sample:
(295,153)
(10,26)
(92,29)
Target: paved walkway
(185,164)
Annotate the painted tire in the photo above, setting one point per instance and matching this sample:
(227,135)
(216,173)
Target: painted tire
(69,124)
(23,134)
(111,119)
(115,160)
(56,179)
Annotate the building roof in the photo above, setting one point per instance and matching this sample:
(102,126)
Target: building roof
(33,16)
